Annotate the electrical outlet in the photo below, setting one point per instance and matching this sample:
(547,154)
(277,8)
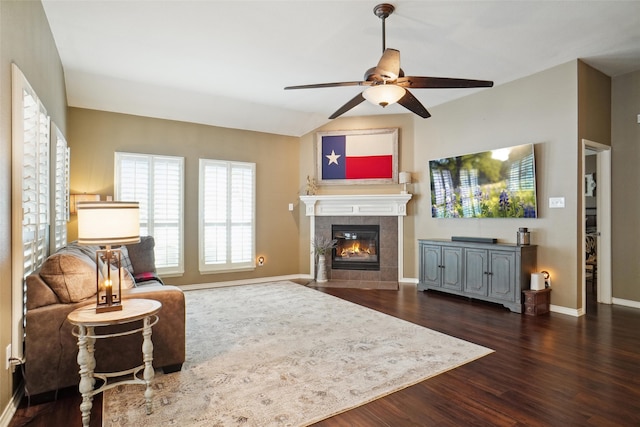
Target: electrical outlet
(7,357)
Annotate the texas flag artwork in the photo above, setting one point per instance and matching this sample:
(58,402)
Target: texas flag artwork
(357,156)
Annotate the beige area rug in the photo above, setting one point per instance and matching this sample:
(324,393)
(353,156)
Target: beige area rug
(281,354)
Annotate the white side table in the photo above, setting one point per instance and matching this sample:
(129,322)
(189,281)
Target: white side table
(86,320)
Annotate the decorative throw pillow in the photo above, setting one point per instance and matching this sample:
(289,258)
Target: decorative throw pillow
(142,256)
(125,260)
(147,277)
(128,281)
(71,276)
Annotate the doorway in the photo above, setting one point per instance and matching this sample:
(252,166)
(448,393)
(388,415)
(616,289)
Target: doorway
(596,223)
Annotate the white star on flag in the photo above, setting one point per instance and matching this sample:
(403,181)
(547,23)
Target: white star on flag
(333,157)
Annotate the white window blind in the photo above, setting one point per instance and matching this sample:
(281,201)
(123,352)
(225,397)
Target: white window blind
(60,190)
(30,195)
(226,216)
(157,183)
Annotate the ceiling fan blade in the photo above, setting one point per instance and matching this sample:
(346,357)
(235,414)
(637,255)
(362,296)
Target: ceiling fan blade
(389,65)
(356,100)
(441,83)
(337,84)
(411,103)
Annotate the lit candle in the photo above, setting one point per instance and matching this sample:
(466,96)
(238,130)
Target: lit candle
(107,285)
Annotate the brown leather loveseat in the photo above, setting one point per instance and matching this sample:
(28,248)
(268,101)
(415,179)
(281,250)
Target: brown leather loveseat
(65,282)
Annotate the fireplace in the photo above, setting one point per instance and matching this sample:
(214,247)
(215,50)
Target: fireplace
(383,210)
(357,247)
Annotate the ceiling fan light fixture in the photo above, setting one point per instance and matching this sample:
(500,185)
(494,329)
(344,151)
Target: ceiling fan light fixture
(383,95)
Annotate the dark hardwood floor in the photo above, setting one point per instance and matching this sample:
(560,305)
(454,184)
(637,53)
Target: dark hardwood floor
(549,370)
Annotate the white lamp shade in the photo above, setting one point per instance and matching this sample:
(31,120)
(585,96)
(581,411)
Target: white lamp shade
(108,223)
(384,94)
(404,177)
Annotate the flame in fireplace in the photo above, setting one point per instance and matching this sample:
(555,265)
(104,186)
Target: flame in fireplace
(355,250)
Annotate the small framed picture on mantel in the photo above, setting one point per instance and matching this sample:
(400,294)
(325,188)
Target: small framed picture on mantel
(357,157)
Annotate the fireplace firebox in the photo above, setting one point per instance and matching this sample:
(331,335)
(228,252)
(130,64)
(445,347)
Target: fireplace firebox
(357,247)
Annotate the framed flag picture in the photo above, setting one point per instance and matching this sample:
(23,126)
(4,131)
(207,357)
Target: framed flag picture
(358,156)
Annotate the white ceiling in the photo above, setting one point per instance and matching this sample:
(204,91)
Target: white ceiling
(225,63)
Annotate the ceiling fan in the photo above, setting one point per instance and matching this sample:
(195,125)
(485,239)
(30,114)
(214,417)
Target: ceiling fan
(387,82)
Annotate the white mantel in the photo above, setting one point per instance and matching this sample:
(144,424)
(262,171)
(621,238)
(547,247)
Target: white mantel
(358,205)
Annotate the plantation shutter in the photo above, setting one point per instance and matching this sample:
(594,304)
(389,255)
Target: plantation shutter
(227,215)
(156,182)
(133,184)
(30,195)
(167,211)
(60,190)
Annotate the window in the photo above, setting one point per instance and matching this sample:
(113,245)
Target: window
(30,195)
(60,192)
(157,183)
(226,216)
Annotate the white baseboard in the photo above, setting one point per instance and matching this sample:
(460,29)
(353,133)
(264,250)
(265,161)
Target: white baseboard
(626,302)
(12,406)
(264,280)
(581,311)
(242,282)
(566,310)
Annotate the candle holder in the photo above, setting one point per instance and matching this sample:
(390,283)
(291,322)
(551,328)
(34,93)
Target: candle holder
(109,289)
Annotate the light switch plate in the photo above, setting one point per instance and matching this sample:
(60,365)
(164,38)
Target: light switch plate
(7,357)
(556,202)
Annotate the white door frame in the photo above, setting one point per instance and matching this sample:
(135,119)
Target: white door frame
(603,207)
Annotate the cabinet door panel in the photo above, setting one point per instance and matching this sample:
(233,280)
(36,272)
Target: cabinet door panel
(452,274)
(475,271)
(502,278)
(430,263)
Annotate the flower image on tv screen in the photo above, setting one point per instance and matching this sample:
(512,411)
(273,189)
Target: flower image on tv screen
(499,183)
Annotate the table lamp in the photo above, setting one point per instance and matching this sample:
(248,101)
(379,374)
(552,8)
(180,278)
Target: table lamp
(107,223)
(404,178)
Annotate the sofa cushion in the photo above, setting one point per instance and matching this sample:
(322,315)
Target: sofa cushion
(142,255)
(39,293)
(71,275)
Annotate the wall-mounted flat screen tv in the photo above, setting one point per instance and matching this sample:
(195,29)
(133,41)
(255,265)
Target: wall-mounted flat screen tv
(492,184)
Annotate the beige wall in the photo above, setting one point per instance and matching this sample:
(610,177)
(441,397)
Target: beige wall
(625,202)
(94,137)
(594,105)
(25,38)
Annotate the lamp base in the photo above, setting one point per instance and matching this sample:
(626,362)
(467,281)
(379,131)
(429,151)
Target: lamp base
(107,308)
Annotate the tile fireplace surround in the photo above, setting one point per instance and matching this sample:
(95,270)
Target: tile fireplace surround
(385,210)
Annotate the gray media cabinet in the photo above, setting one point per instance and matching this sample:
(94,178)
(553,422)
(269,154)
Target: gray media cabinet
(494,272)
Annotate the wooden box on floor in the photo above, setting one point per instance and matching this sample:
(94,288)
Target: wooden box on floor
(537,302)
